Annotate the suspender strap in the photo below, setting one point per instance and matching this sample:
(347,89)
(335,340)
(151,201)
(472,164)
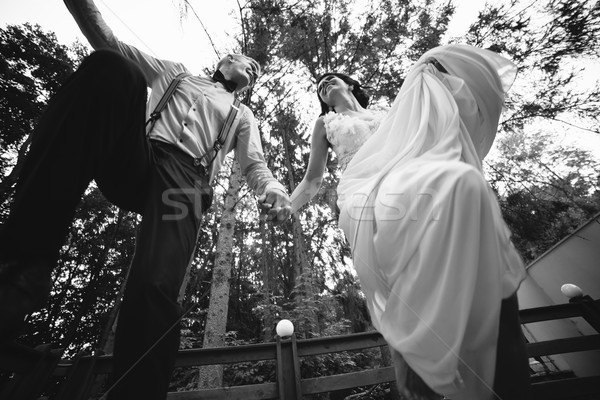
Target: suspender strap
(164,100)
(218,144)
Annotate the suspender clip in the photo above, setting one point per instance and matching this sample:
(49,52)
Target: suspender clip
(154,116)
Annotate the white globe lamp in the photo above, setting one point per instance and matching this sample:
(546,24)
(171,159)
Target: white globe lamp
(284,328)
(571,291)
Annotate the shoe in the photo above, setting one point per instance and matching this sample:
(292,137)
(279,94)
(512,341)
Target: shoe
(24,288)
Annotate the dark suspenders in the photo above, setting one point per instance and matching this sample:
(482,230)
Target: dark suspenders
(218,144)
(164,100)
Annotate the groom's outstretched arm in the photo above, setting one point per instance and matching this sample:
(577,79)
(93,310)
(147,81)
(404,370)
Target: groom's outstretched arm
(274,202)
(100,36)
(92,25)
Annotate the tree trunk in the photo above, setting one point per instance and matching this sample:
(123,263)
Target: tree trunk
(89,294)
(304,276)
(268,282)
(107,339)
(216,319)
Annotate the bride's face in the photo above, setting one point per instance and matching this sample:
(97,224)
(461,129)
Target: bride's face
(330,87)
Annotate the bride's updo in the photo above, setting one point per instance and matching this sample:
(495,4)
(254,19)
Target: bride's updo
(358,90)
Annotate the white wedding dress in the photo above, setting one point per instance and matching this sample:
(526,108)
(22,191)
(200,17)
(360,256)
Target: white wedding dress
(429,244)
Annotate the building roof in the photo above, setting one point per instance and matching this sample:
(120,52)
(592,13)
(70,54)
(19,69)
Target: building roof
(575,259)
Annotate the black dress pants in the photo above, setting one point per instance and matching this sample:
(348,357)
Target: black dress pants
(94,128)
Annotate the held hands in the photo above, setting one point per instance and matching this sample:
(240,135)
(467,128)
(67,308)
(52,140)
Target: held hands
(275,206)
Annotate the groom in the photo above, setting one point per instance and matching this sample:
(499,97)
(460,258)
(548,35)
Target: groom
(94,128)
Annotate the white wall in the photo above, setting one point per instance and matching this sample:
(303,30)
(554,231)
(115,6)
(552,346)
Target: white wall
(576,260)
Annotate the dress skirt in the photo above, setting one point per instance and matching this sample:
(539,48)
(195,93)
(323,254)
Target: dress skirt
(429,244)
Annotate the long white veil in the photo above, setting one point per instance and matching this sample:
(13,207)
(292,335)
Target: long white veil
(434,284)
(436,116)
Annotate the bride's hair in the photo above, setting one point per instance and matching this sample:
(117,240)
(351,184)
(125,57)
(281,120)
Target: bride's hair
(358,91)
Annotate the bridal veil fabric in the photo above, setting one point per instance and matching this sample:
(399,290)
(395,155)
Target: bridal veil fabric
(430,247)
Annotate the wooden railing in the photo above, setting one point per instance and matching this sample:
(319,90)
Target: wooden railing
(285,352)
(79,374)
(575,388)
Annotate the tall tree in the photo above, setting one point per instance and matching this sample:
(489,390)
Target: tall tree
(301,40)
(216,318)
(94,258)
(32,67)
(377,43)
(546,189)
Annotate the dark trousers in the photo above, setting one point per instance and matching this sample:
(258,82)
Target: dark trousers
(94,128)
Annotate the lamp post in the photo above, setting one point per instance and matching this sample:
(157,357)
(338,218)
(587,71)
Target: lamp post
(284,328)
(590,307)
(288,364)
(571,291)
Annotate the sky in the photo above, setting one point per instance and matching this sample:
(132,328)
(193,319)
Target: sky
(154,26)
(151,25)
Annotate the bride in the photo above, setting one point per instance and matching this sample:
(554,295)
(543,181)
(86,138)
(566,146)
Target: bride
(428,241)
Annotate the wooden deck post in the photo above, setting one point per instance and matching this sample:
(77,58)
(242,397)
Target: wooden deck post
(591,310)
(288,369)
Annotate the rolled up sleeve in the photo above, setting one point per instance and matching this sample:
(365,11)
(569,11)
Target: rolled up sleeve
(249,153)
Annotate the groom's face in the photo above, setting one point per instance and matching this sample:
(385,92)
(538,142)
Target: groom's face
(239,70)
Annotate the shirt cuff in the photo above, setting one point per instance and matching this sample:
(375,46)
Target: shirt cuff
(274,185)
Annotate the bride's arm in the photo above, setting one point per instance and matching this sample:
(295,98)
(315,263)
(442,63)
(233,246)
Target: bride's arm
(313,176)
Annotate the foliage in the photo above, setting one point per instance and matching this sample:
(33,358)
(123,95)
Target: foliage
(93,262)
(297,41)
(546,190)
(91,267)
(302,270)
(32,67)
